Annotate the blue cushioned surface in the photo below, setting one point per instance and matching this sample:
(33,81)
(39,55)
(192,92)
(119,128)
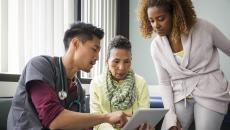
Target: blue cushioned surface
(156,102)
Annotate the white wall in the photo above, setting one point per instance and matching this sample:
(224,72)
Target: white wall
(215,11)
(142,62)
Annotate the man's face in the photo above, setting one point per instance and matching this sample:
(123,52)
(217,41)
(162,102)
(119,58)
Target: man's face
(88,53)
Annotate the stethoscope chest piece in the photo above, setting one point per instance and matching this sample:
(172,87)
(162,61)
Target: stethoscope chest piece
(62,95)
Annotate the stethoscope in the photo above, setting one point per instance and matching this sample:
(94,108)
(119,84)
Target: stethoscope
(62,94)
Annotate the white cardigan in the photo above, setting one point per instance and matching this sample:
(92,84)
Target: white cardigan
(198,74)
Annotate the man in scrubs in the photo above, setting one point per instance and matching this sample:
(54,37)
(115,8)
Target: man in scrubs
(49,96)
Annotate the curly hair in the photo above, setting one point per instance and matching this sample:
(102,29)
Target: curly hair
(182,11)
(119,42)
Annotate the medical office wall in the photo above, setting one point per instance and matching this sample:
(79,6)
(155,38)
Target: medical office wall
(215,11)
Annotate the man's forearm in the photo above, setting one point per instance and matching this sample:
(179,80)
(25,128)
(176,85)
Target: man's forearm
(75,120)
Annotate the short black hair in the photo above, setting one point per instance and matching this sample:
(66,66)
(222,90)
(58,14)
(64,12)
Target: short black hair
(84,31)
(119,42)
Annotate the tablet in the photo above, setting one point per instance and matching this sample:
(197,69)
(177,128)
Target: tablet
(145,115)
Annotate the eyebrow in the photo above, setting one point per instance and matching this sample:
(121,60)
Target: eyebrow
(161,16)
(98,47)
(118,58)
(150,18)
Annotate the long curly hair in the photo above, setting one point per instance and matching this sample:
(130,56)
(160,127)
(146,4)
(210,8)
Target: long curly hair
(182,11)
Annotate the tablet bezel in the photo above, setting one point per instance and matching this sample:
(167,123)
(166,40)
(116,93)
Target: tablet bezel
(145,115)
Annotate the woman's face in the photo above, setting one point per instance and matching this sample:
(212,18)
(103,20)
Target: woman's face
(119,63)
(160,20)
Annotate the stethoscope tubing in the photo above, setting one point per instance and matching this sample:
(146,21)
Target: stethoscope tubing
(61,94)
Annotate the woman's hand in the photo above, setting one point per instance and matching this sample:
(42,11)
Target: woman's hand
(178,127)
(173,128)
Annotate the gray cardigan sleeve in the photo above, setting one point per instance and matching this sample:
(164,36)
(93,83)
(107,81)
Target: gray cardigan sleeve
(220,40)
(166,91)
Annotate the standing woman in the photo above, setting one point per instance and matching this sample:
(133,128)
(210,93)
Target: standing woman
(186,59)
(118,88)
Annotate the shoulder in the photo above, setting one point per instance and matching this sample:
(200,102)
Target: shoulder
(139,79)
(39,60)
(41,64)
(97,85)
(156,41)
(154,44)
(203,25)
(97,81)
(39,68)
(203,22)
(141,84)
(158,46)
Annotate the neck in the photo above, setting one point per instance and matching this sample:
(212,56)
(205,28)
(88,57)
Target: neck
(69,67)
(175,44)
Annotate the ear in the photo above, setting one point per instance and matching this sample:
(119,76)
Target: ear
(75,42)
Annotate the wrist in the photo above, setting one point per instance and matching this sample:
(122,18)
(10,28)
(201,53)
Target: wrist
(105,118)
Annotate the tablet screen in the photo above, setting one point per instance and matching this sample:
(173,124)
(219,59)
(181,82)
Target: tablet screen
(145,115)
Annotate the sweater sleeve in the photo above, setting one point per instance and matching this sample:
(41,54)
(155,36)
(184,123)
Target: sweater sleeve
(220,40)
(143,94)
(45,102)
(95,106)
(166,92)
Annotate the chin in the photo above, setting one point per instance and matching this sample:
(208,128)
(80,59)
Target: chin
(120,78)
(87,70)
(161,34)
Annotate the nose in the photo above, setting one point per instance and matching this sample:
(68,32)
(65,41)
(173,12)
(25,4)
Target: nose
(97,56)
(121,66)
(156,25)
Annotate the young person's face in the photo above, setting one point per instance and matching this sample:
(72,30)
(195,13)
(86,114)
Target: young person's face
(160,20)
(119,63)
(88,53)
